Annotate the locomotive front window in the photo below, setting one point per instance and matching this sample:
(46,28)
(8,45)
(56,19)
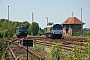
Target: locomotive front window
(54,28)
(22,28)
(57,27)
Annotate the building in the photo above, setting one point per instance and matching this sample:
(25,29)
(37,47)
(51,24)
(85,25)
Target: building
(72,25)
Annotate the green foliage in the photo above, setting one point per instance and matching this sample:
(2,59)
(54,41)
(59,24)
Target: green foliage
(34,28)
(25,23)
(8,28)
(56,52)
(78,52)
(50,23)
(40,48)
(87,33)
(3,51)
(39,33)
(77,34)
(32,57)
(29,30)
(86,29)
(24,54)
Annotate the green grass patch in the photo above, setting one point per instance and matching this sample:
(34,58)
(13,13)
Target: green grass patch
(32,57)
(40,48)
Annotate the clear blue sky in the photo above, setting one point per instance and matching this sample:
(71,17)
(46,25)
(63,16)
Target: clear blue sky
(56,10)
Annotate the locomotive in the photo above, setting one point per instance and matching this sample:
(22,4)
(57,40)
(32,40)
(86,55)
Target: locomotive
(21,31)
(54,31)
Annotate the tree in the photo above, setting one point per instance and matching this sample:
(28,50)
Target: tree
(86,32)
(0,25)
(34,28)
(8,28)
(25,23)
(41,32)
(29,29)
(2,20)
(16,24)
(5,24)
(50,23)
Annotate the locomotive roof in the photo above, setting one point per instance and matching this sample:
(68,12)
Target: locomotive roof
(21,26)
(51,25)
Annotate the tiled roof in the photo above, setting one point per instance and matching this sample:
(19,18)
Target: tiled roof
(72,20)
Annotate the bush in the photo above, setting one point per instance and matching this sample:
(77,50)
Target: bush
(78,52)
(4,51)
(87,33)
(77,34)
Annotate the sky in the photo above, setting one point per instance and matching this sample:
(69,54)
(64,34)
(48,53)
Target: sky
(57,11)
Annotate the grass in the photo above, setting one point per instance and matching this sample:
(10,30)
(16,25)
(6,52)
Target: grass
(32,57)
(40,48)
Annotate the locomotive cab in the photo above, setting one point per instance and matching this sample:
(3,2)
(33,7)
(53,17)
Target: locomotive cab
(57,31)
(21,31)
(54,31)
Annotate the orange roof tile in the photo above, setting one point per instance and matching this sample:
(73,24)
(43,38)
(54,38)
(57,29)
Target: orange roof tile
(72,20)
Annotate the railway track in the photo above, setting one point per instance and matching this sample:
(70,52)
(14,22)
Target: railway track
(18,51)
(67,44)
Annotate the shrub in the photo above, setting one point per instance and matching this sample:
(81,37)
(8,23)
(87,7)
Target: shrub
(78,52)
(77,34)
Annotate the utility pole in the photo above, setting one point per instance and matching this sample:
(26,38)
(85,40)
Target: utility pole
(81,24)
(8,12)
(32,25)
(47,21)
(81,14)
(32,17)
